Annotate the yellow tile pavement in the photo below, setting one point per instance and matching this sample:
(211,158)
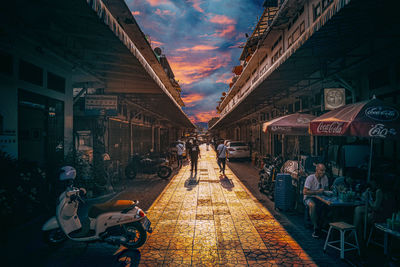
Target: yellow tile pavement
(206,219)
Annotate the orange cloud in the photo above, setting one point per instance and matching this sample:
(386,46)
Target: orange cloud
(164,12)
(229,31)
(157,2)
(135,13)
(189,100)
(197,48)
(188,71)
(221,19)
(156,43)
(205,116)
(196,5)
(224,78)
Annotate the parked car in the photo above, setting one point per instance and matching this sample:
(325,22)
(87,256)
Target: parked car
(173,148)
(238,150)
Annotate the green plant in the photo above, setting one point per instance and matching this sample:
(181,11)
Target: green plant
(24,188)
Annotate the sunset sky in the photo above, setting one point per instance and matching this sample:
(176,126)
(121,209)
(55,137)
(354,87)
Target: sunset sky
(201,40)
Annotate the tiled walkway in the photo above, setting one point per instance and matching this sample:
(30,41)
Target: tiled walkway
(209,220)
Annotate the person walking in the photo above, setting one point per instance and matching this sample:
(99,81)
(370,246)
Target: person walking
(194,153)
(221,157)
(180,148)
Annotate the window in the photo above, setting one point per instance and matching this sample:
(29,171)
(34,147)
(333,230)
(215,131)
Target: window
(379,78)
(290,40)
(326,3)
(317,99)
(301,10)
(276,56)
(6,63)
(302,27)
(304,103)
(30,73)
(296,106)
(317,11)
(276,43)
(296,34)
(55,82)
(290,108)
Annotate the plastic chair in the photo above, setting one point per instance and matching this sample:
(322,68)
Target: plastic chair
(342,227)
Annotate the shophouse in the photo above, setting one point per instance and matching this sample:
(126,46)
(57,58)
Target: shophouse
(311,56)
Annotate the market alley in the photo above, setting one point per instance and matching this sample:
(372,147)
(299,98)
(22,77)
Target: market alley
(208,219)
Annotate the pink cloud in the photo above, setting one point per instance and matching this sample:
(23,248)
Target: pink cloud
(197,48)
(156,43)
(189,100)
(157,2)
(221,19)
(187,70)
(228,31)
(165,12)
(135,13)
(204,116)
(196,5)
(224,78)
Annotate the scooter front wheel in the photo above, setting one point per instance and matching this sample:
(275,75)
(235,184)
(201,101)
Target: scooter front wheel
(164,172)
(135,235)
(54,238)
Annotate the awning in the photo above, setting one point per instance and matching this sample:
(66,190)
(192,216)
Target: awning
(104,45)
(293,124)
(301,63)
(372,118)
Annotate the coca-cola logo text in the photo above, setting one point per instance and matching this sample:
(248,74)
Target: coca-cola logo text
(330,127)
(379,130)
(382,113)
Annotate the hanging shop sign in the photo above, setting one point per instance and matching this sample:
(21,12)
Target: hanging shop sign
(334,98)
(101,105)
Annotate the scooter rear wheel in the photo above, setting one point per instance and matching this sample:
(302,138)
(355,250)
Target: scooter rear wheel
(135,235)
(164,172)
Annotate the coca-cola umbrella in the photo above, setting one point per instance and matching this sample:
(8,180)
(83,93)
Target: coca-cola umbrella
(293,124)
(372,118)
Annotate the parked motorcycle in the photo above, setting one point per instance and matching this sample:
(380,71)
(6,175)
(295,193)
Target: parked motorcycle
(268,174)
(148,164)
(119,222)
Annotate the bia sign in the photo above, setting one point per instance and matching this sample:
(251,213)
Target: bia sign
(382,113)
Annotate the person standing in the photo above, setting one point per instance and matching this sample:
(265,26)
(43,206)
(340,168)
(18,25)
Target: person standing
(315,184)
(180,148)
(194,153)
(221,157)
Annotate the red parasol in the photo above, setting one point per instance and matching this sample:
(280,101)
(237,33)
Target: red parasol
(372,118)
(293,124)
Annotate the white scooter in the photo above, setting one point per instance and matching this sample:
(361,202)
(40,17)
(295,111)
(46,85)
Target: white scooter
(119,222)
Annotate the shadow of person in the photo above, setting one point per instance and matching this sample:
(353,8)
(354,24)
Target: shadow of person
(192,181)
(127,257)
(226,182)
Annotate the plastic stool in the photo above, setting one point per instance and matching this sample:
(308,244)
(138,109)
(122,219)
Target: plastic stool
(342,227)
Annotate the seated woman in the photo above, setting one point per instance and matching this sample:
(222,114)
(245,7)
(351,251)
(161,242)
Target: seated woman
(380,206)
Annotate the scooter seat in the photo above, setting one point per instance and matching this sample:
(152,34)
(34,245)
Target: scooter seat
(110,206)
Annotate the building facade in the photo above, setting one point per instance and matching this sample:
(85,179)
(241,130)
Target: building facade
(305,55)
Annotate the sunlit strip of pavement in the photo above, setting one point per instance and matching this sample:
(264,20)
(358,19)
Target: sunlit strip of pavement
(211,220)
